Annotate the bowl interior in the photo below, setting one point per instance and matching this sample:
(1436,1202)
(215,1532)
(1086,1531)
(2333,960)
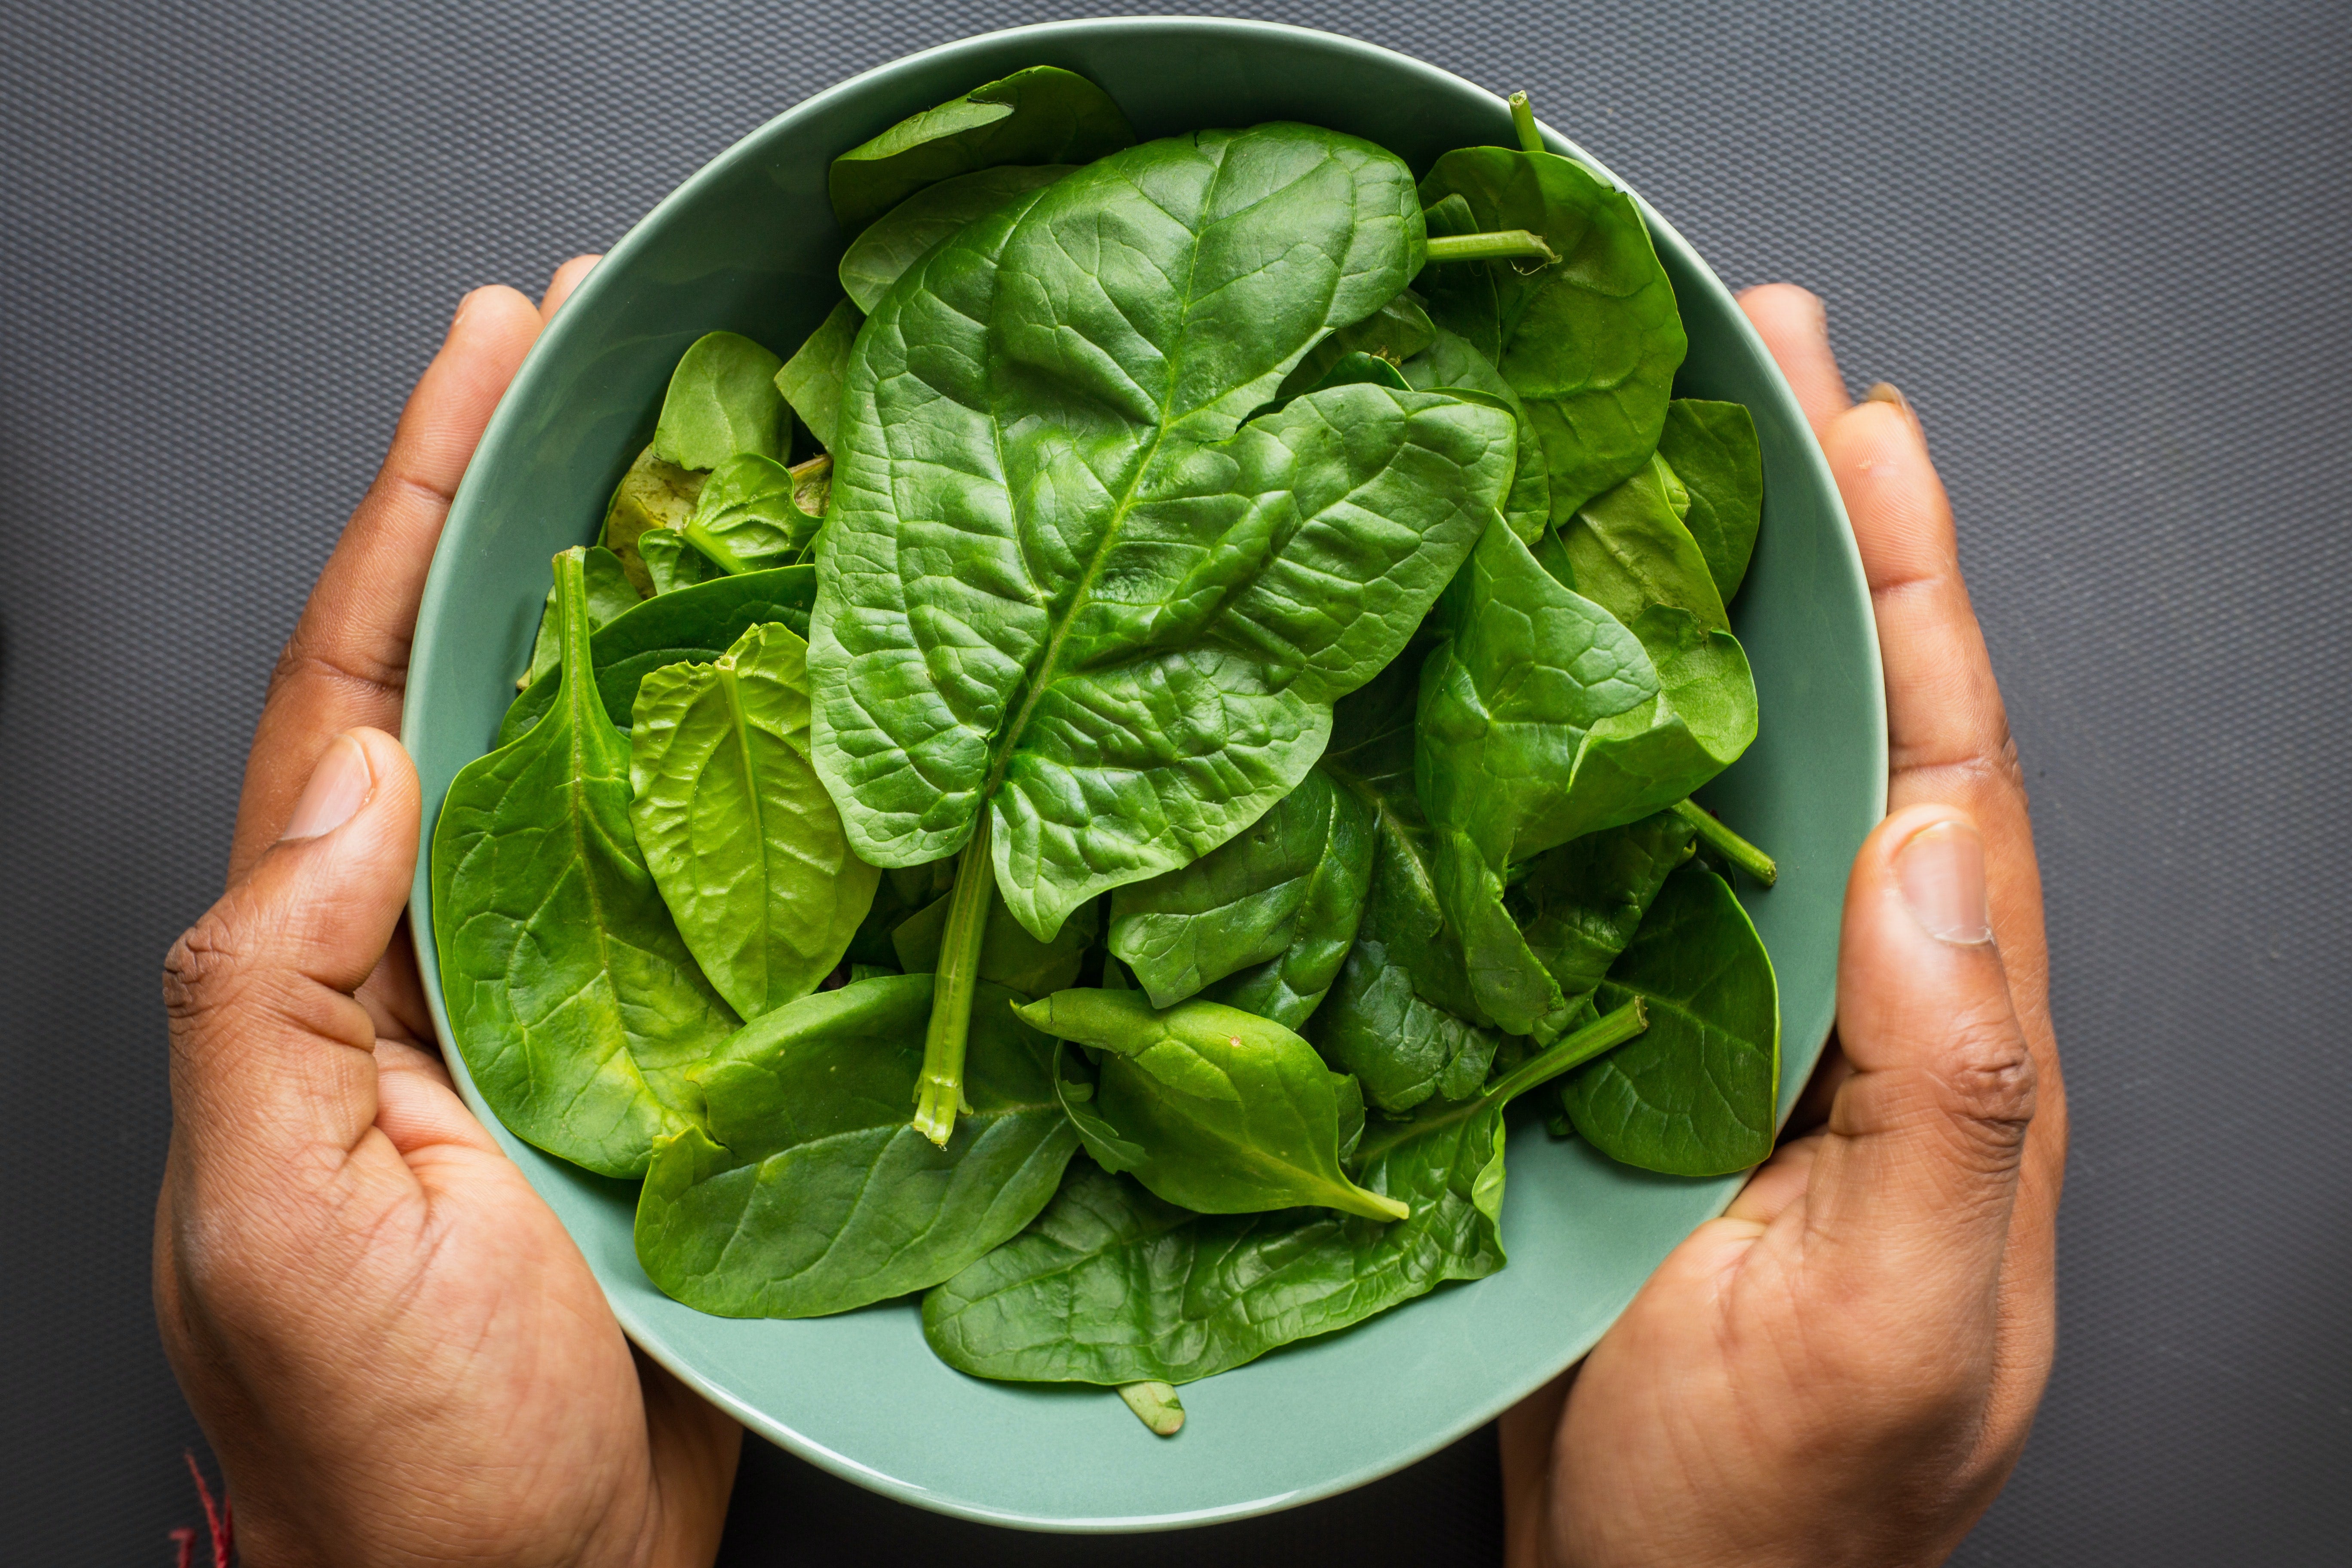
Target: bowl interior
(750,244)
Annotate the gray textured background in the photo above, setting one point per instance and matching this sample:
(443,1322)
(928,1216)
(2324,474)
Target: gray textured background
(2102,245)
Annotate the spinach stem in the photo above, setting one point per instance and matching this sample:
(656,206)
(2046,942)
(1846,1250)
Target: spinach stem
(1523,118)
(939,1093)
(1604,1034)
(1498,244)
(1728,844)
(718,554)
(1156,1405)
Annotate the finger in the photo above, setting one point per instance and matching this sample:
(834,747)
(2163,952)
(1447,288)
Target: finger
(696,1447)
(568,276)
(1795,326)
(1525,1434)
(273,1065)
(1778,1183)
(347,662)
(1913,1187)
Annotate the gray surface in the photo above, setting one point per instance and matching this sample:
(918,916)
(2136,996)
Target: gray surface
(2101,246)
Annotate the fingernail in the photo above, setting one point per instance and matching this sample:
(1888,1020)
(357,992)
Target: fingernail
(1887,392)
(1941,871)
(338,786)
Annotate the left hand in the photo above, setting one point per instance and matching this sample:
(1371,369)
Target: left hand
(397,1351)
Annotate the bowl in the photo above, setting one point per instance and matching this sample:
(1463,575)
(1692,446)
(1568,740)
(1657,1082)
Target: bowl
(749,243)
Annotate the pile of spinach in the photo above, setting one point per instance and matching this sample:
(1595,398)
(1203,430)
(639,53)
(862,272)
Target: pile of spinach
(1188,681)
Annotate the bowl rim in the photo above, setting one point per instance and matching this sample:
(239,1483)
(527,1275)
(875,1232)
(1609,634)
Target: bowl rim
(522,392)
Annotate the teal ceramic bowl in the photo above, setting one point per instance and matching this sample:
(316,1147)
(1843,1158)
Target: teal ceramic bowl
(749,244)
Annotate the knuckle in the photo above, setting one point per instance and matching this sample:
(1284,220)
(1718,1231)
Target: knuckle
(1989,1083)
(308,656)
(201,971)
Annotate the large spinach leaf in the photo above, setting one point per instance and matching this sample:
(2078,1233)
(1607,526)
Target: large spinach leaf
(1713,448)
(574,1003)
(811,380)
(610,594)
(1210,1107)
(693,624)
(1290,887)
(722,399)
(1111,1285)
(1042,115)
(1591,344)
(740,837)
(1075,616)
(810,1193)
(879,257)
(1697,1095)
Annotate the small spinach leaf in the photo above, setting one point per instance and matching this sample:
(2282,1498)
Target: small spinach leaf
(740,837)
(811,380)
(1697,1095)
(1395,333)
(653,495)
(810,1193)
(1713,448)
(610,594)
(1590,344)
(1009,956)
(1111,1285)
(1580,905)
(1298,874)
(574,1003)
(1042,115)
(722,400)
(749,518)
(693,624)
(672,562)
(1628,551)
(1210,1107)
(1449,361)
(879,257)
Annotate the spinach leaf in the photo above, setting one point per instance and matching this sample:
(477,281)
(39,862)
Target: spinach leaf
(1580,905)
(810,1193)
(749,518)
(1111,1285)
(1009,956)
(1590,344)
(722,399)
(1075,617)
(877,257)
(610,594)
(1295,877)
(574,1003)
(692,624)
(1042,115)
(1449,361)
(653,496)
(1697,1095)
(740,837)
(1627,550)
(1210,1107)
(1713,447)
(672,562)
(811,380)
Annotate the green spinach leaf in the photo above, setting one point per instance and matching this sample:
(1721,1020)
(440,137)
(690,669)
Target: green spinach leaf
(672,562)
(811,380)
(575,1004)
(1628,551)
(1590,344)
(810,1193)
(877,257)
(1713,447)
(1075,616)
(749,518)
(692,624)
(1449,361)
(653,497)
(1111,1285)
(1042,115)
(1697,1095)
(1580,905)
(1210,1107)
(1395,333)
(722,400)
(610,594)
(740,837)
(1296,876)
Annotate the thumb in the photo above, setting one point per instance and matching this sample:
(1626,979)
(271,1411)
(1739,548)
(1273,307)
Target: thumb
(271,1056)
(1917,1177)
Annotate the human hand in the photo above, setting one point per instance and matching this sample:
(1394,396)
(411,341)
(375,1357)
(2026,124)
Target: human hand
(397,1352)
(1842,1368)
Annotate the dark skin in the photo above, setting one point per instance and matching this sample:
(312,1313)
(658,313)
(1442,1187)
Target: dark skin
(401,1357)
